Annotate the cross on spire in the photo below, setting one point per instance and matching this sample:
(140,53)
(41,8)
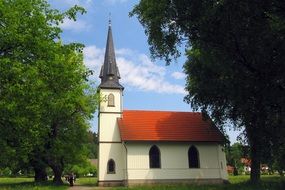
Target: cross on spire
(109,19)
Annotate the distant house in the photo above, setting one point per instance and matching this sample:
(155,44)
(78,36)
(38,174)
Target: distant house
(264,169)
(230,169)
(246,165)
(140,147)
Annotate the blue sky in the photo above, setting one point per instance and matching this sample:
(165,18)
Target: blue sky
(149,85)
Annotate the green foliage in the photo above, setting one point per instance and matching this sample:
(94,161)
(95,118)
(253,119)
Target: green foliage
(5,172)
(45,97)
(92,145)
(235,67)
(278,161)
(234,153)
(82,169)
(24,39)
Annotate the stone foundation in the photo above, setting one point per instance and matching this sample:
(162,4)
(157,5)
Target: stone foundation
(174,181)
(112,183)
(141,182)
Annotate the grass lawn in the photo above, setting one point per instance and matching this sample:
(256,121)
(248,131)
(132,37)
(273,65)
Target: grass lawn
(86,181)
(236,183)
(27,184)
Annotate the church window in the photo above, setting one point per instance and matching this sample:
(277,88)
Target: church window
(111,100)
(154,157)
(193,157)
(111,167)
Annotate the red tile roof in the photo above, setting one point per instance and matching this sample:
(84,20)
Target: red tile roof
(167,126)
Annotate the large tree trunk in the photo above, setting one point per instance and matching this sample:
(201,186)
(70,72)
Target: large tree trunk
(255,163)
(255,141)
(57,171)
(39,166)
(40,174)
(280,171)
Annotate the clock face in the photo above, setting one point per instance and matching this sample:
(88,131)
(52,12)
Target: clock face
(110,78)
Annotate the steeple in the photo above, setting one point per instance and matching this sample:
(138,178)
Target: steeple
(109,71)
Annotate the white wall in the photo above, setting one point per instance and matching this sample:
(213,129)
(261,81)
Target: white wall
(174,161)
(114,151)
(109,129)
(223,162)
(118,94)
(109,137)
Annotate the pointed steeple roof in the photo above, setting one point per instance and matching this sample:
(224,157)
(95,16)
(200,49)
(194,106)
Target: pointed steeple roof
(109,73)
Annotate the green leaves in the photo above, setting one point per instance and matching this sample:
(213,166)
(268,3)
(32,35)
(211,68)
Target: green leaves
(45,99)
(235,67)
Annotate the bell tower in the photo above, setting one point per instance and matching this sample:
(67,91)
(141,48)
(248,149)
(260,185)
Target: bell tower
(111,163)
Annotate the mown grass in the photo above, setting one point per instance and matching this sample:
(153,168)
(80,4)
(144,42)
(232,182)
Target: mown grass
(236,183)
(86,181)
(27,184)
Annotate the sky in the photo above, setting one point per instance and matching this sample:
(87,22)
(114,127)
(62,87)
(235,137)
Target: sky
(149,84)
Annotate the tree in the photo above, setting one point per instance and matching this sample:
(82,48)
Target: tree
(23,40)
(82,169)
(70,106)
(234,154)
(92,145)
(235,67)
(45,97)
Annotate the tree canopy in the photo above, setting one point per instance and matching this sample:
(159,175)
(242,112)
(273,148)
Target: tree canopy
(236,61)
(46,99)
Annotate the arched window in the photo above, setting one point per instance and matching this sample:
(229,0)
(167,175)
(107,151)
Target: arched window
(111,167)
(154,157)
(193,157)
(111,100)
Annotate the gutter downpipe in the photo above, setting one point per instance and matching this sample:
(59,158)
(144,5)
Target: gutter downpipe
(126,174)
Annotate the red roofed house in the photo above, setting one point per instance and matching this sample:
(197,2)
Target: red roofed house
(138,147)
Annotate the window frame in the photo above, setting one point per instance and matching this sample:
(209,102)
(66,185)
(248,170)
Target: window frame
(114,166)
(111,100)
(197,158)
(151,158)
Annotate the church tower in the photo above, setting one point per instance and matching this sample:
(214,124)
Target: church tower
(111,163)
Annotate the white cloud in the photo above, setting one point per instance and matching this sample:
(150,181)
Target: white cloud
(137,70)
(75,26)
(123,52)
(178,75)
(93,59)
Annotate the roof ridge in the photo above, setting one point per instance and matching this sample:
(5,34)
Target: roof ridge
(166,111)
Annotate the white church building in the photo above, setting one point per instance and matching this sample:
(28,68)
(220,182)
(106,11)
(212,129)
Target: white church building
(142,147)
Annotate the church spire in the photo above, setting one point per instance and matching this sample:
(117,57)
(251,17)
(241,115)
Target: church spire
(109,71)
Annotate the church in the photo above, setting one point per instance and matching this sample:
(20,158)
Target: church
(146,147)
